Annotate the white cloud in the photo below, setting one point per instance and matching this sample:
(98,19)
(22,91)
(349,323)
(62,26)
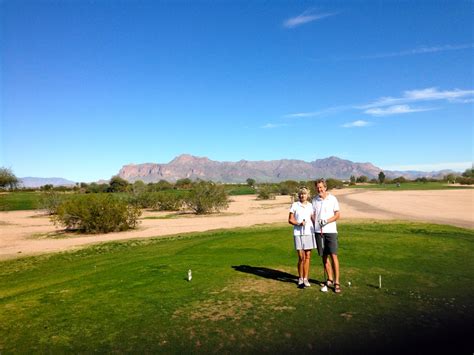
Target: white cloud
(306,17)
(273,125)
(327,111)
(358,123)
(422,50)
(428,94)
(394,110)
(456,166)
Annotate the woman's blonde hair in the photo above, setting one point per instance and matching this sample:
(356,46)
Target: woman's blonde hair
(303,190)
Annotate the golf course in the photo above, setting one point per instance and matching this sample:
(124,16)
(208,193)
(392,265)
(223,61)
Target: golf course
(407,285)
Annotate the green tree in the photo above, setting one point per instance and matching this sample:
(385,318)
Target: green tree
(381,177)
(469,173)
(117,184)
(251,182)
(352,180)
(362,179)
(8,179)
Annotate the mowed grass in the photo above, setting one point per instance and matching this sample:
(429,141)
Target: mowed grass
(133,296)
(413,186)
(16,201)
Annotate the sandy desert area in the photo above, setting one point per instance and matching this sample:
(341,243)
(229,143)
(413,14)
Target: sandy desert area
(25,233)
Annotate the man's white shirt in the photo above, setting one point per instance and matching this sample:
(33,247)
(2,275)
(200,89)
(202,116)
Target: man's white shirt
(325,209)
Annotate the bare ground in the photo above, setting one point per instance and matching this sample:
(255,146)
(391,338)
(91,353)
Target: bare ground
(29,232)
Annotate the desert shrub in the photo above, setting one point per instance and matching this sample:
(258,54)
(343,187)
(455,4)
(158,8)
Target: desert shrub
(97,213)
(289,187)
(265,192)
(207,197)
(96,188)
(334,184)
(162,201)
(50,201)
(185,183)
(399,180)
(466,180)
(170,202)
(159,186)
(145,200)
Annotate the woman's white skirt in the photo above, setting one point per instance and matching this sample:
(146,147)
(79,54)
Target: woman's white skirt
(304,242)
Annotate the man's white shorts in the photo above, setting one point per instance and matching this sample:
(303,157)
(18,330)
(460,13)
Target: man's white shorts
(304,242)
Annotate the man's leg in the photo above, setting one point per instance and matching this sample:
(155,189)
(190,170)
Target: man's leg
(335,264)
(327,267)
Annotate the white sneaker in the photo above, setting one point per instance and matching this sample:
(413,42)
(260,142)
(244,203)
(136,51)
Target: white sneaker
(306,283)
(300,282)
(324,289)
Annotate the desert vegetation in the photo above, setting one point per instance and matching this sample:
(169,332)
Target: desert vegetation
(116,205)
(97,213)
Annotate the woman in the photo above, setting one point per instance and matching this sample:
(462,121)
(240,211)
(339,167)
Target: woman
(303,234)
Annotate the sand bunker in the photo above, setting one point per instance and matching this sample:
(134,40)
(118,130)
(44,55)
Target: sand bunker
(30,232)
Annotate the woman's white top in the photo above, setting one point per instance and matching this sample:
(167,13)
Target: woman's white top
(302,212)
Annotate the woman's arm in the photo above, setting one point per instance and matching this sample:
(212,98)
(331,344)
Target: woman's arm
(292,220)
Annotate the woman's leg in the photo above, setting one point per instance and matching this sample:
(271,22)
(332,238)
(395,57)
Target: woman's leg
(307,259)
(300,263)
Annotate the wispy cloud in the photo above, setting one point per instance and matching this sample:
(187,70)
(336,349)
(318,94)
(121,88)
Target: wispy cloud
(422,50)
(395,110)
(358,123)
(457,166)
(306,17)
(386,106)
(428,94)
(326,111)
(273,125)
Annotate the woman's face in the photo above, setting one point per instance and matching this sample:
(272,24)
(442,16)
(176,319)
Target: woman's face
(303,196)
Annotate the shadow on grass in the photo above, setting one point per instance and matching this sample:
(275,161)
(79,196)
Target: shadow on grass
(270,273)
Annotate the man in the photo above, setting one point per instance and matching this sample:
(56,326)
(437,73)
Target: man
(326,213)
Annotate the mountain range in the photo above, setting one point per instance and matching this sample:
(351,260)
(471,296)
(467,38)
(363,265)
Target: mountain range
(38,182)
(192,167)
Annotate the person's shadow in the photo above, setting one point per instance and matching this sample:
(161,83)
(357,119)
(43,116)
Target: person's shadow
(270,273)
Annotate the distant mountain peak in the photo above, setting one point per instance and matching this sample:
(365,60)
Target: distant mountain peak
(187,159)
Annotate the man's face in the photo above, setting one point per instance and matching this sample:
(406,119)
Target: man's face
(320,188)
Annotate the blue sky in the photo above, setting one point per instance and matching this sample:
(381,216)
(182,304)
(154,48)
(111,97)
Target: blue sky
(88,86)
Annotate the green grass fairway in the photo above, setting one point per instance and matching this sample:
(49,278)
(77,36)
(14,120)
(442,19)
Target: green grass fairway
(133,296)
(412,186)
(15,201)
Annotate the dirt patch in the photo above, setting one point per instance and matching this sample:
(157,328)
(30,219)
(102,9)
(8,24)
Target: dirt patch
(240,299)
(19,230)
